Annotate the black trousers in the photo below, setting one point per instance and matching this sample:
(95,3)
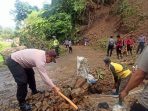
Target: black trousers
(138,107)
(57,50)
(23,77)
(109,50)
(140,47)
(129,49)
(70,49)
(119,52)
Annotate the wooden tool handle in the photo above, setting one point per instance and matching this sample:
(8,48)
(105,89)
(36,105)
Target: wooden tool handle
(62,95)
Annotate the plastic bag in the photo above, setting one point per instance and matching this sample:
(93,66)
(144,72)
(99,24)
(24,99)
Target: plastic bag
(83,69)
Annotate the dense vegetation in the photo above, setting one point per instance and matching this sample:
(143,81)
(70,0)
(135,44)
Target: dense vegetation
(64,19)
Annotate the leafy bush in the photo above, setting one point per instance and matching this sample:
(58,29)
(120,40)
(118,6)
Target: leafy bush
(125,9)
(130,15)
(60,25)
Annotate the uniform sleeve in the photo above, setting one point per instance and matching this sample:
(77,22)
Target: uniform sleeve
(44,76)
(142,62)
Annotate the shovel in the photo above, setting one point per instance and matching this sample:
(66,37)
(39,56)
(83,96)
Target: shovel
(70,102)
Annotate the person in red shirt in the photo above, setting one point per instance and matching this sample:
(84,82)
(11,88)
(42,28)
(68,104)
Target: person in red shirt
(119,45)
(129,44)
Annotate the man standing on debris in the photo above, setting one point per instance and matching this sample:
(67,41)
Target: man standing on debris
(129,44)
(111,44)
(70,46)
(119,45)
(141,41)
(66,43)
(137,77)
(21,65)
(121,74)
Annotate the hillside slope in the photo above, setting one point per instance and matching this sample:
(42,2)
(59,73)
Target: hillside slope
(106,24)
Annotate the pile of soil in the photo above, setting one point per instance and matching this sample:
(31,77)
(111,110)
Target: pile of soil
(77,89)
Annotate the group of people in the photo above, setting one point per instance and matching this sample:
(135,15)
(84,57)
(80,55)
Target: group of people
(67,43)
(126,80)
(125,46)
(21,65)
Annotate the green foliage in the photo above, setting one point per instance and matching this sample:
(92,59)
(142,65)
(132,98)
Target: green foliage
(34,42)
(100,73)
(60,24)
(41,29)
(6,33)
(35,25)
(79,5)
(130,15)
(61,18)
(3,45)
(125,9)
(22,9)
(1,58)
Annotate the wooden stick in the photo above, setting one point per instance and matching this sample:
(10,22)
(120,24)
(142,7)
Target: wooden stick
(71,103)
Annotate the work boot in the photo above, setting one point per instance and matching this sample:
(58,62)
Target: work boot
(25,107)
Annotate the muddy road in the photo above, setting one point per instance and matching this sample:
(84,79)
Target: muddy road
(62,73)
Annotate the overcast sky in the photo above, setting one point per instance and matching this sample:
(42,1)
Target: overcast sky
(6,19)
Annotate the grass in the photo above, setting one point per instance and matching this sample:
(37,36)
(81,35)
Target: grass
(3,45)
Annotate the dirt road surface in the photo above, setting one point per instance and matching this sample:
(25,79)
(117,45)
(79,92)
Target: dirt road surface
(64,68)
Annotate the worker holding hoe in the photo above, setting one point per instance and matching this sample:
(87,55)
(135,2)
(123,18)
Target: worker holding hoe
(21,65)
(137,77)
(121,74)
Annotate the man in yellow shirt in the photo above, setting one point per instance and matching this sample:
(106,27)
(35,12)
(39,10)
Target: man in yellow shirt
(121,74)
(56,45)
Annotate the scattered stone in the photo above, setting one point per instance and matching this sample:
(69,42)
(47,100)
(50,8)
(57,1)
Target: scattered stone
(79,82)
(47,94)
(85,86)
(64,106)
(45,105)
(38,105)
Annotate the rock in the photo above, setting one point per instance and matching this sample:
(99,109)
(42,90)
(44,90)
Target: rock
(35,109)
(75,100)
(42,97)
(72,83)
(103,110)
(64,106)
(36,96)
(103,105)
(67,92)
(85,86)
(47,94)
(45,105)
(38,105)
(79,92)
(75,92)
(50,109)
(79,82)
